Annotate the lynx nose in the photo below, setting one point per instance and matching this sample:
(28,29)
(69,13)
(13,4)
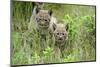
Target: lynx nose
(42,22)
(60,37)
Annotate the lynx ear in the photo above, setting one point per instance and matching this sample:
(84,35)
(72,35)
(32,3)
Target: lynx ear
(37,10)
(50,12)
(67,27)
(54,26)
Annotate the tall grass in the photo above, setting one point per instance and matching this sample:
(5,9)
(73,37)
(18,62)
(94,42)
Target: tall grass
(26,45)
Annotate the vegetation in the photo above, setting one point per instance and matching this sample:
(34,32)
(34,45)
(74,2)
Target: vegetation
(81,43)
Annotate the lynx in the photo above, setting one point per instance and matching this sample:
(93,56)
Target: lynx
(60,36)
(43,24)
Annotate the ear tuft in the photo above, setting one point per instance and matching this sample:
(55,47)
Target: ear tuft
(37,10)
(54,26)
(50,12)
(67,27)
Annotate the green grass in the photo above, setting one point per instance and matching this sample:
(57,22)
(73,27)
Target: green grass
(26,45)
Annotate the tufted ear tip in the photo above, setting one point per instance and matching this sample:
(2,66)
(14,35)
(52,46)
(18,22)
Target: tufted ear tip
(37,10)
(54,26)
(50,12)
(67,27)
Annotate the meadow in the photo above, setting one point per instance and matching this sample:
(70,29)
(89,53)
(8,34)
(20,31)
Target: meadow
(25,43)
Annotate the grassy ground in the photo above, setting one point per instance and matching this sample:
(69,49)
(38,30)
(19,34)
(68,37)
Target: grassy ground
(80,46)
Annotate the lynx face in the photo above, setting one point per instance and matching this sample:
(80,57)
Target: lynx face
(60,33)
(43,18)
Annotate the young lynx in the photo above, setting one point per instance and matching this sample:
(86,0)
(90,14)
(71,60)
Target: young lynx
(44,21)
(60,36)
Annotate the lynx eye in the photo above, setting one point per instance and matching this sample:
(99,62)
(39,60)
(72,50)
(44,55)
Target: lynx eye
(40,19)
(37,19)
(57,33)
(62,33)
(46,20)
